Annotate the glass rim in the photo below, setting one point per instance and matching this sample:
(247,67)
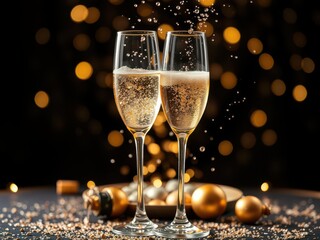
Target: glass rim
(185,33)
(137,32)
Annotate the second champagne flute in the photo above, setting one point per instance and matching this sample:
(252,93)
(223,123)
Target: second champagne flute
(136,87)
(184,92)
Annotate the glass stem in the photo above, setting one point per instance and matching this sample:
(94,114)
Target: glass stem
(181,217)
(140,215)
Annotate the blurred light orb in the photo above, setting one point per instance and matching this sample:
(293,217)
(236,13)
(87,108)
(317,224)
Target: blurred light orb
(299,93)
(41,99)
(278,87)
(163,29)
(229,80)
(83,70)
(205,27)
(42,36)
(93,15)
(266,61)
(307,65)
(207,3)
(153,148)
(115,138)
(258,118)
(225,148)
(264,187)
(255,46)
(231,35)
(248,140)
(81,42)
(269,137)
(295,62)
(120,23)
(91,184)
(144,10)
(13,188)
(116,2)
(79,13)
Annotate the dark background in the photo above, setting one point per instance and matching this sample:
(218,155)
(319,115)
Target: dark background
(68,138)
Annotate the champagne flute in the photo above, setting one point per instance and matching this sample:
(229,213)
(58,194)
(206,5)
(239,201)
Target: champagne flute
(184,85)
(136,88)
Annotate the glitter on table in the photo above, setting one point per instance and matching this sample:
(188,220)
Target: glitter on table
(35,213)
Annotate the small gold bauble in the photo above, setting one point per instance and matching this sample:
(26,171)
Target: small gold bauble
(209,201)
(119,202)
(249,209)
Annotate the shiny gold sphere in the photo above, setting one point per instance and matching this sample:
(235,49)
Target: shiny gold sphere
(249,209)
(119,200)
(209,201)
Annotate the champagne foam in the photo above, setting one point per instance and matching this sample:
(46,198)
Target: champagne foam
(169,78)
(127,70)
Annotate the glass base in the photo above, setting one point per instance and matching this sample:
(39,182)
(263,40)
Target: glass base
(182,231)
(134,229)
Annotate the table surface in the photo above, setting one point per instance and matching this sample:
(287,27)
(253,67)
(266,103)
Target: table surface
(39,213)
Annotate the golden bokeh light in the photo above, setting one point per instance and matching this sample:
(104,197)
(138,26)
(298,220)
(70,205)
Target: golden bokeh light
(81,42)
(115,138)
(171,173)
(191,172)
(278,87)
(79,13)
(264,3)
(206,3)
(186,178)
(266,61)
(124,170)
(163,29)
(152,167)
(42,36)
(264,187)
(13,187)
(307,65)
(157,183)
(295,62)
(299,39)
(290,15)
(225,147)
(153,148)
(258,118)
(41,99)
(91,184)
(145,170)
(205,27)
(144,10)
(255,46)
(228,80)
(269,137)
(93,15)
(231,35)
(248,140)
(120,23)
(116,2)
(299,93)
(83,70)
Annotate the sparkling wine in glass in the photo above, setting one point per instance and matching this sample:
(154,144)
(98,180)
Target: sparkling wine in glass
(136,88)
(185,82)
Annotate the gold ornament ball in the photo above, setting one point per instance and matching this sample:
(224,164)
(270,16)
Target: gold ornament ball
(119,200)
(249,209)
(208,201)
